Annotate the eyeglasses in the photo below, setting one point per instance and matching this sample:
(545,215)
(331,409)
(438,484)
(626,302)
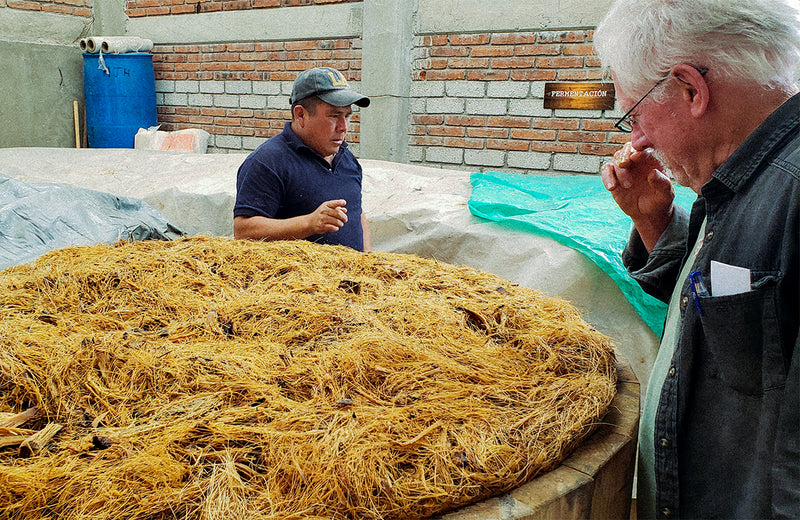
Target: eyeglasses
(625,123)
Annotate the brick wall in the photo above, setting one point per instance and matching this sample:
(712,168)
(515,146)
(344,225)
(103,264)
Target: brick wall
(239,92)
(136,8)
(69,7)
(478,103)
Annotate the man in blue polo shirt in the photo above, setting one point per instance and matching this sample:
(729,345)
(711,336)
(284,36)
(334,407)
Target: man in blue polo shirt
(304,183)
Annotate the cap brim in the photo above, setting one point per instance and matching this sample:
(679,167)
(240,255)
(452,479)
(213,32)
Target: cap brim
(344,97)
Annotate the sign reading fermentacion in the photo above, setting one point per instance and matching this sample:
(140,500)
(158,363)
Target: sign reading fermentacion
(584,96)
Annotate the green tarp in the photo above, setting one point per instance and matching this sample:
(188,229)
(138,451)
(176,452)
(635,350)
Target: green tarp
(578,212)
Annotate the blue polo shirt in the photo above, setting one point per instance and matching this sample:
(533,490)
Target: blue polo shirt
(284,178)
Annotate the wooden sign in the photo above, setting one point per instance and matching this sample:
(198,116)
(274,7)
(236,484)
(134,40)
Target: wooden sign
(583,96)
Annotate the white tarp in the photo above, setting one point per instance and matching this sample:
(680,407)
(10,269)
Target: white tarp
(411,209)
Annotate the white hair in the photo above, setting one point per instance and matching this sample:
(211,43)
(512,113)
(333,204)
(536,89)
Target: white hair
(750,40)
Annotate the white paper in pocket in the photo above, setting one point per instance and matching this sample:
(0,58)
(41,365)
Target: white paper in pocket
(729,279)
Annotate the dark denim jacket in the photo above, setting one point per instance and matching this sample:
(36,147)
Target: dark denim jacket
(727,427)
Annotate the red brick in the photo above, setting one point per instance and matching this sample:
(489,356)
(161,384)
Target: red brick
(428,119)
(211,7)
(513,63)
(184,9)
(509,122)
(346,54)
(492,51)
(488,75)
(619,137)
(446,131)
(212,111)
(563,37)
(187,111)
(468,63)
(432,40)
(269,46)
(239,112)
(457,142)
(243,131)
(58,9)
(559,62)
(573,75)
(583,49)
(598,149)
(601,125)
(300,45)
(235,5)
(456,120)
(554,147)
(496,133)
(449,51)
(284,56)
(534,135)
(537,50)
(468,39)
(592,61)
(513,38)
(315,54)
(497,144)
(28,6)
(241,47)
(426,141)
(187,67)
(269,65)
(444,75)
(581,137)
(533,75)
(555,123)
(241,66)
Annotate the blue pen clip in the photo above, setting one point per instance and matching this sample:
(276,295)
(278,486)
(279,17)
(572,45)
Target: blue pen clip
(698,289)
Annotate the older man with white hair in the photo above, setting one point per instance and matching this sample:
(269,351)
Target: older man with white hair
(711,93)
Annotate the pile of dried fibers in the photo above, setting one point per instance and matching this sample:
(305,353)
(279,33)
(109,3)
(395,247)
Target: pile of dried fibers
(208,378)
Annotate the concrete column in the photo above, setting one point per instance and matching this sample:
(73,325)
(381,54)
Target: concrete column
(109,18)
(388,32)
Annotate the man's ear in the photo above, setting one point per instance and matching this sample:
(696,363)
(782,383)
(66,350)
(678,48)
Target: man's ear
(695,88)
(299,115)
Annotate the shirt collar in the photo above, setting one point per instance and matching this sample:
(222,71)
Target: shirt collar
(744,162)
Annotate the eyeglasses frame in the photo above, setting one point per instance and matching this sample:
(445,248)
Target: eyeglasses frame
(625,123)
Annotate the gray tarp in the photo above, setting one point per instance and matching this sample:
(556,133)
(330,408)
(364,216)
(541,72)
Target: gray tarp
(37,218)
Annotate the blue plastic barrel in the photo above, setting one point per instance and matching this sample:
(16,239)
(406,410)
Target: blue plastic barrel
(120,94)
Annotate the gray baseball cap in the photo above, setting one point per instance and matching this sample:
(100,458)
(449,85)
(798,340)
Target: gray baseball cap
(327,84)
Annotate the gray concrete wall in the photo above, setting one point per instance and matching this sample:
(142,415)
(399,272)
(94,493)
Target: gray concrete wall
(42,75)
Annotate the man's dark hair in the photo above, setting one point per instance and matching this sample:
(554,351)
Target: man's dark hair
(310,104)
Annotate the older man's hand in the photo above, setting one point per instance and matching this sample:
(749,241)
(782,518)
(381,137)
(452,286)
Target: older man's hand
(642,190)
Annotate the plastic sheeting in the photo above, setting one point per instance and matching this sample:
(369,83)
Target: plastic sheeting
(37,218)
(578,212)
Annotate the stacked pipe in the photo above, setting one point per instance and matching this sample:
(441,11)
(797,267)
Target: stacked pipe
(115,44)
